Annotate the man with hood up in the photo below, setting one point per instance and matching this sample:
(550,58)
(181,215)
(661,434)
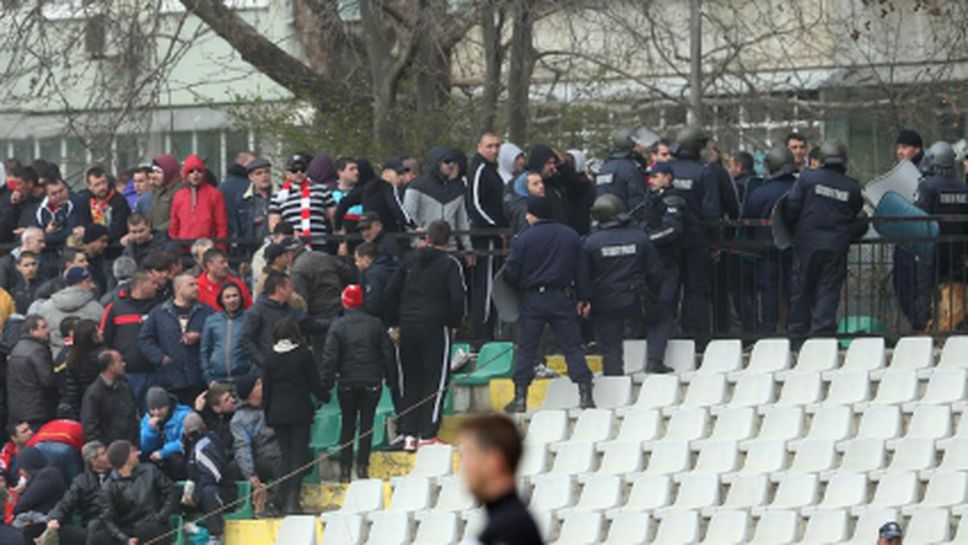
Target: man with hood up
(510,161)
(77,299)
(439,195)
(197,209)
(165,180)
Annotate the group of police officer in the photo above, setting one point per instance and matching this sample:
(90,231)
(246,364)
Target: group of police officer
(650,261)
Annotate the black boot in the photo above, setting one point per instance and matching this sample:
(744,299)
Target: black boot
(362,471)
(586,401)
(344,474)
(657,367)
(520,402)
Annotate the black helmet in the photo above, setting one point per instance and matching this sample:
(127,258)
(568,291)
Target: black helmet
(644,137)
(941,155)
(622,141)
(691,140)
(833,153)
(779,160)
(607,208)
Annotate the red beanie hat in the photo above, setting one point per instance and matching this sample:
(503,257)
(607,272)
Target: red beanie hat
(352,296)
(192,162)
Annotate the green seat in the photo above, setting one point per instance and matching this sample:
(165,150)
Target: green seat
(853,325)
(243,509)
(495,360)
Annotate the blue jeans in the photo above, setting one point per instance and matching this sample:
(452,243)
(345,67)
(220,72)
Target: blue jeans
(62,456)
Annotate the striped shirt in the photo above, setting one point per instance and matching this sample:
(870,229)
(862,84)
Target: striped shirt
(288,204)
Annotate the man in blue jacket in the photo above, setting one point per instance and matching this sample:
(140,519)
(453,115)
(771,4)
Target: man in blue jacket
(170,340)
(208,469)
(161,432)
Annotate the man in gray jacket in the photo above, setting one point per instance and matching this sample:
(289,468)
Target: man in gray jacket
(77,299)
(256,448)
(31,385)
(439,195)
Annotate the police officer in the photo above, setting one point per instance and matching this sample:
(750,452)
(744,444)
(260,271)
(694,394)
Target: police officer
(624,270)
(822,207)
(545,264)
(942,193)
(665,210)
(623,174)
(773,269)
(700,188)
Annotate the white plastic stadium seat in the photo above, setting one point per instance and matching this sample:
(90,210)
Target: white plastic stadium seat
(433,461)
(953,353)
(657,391)
(897,386)
(745,493)
(727,528)
(830,422)
(945,489)
(817,356)
(453,495)
(696,492)
(629,529)
(592,425)
(410,494)
(864,354)
(634,353)
(860,456)
(436,528)
(580,528)
(721,356)
(705,390)
(680,354)
(573,459)
(389,528)
(847,388)
(779,424)
(912,455)
(340,529)
(869,524)
(826,527)
(362,496)
(776,528)
(534,460)
(768,356)
(637,426)
(800,389)
(474,523)
(547,426)
(752,390)
(928,526)
(731,425)
(621,458)
(600,493)
(955,456)
(612,392)
(880,422)
(677,527)
(913,353)
(648,493)
(562,393)
(795,491)
(931,422)
(687,424)
(551,492)
(945,386)
(844,490)
(894,490)
(668,458)
(766,457)
(717,457)
(301,530)
(813,456)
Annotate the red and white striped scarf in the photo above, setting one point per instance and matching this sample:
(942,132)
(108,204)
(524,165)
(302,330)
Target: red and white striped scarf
(305,202)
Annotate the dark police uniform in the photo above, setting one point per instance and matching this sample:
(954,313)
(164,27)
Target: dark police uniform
(823,205)
(772,270)
(622,264)
(623,177)
(665,212)
(509,523)
(545,264)
(700,189)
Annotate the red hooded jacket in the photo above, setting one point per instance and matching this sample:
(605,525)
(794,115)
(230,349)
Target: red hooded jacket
(197,212)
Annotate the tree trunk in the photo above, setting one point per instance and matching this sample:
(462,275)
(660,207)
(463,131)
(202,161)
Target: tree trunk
(492,23)
(519,73)
(695,63)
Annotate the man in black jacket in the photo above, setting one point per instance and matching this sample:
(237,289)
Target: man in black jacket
(486,207)
(45,486)
(108,410)
(376,269)
(81,499)
(121,324)
(425,298)
(136,501)
(31,385)
(358,352)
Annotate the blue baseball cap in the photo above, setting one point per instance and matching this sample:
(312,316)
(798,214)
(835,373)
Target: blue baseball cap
(663,167)
(890,530)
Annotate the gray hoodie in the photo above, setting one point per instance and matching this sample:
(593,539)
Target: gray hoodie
(70,301)
(253,441)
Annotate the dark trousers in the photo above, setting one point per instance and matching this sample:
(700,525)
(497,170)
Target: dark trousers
(773,279)
(558,310)
(734,293)
(73,534)
(211,499)
(425,360)
(294,445)
(357,403)
(914,284)
(663,324)
(610,331)
(175,466)
(187,395)
(819,277)
(144,532)
(695,280)
(483,314)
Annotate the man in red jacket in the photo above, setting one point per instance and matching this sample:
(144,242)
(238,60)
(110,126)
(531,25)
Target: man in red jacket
(198,209)
(215,276)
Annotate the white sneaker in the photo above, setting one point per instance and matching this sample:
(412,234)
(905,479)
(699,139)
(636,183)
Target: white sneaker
(459,359)
(543,371)
(410,443)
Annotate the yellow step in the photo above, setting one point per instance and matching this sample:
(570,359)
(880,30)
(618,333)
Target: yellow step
(557,363)
(501,392)
(258,532)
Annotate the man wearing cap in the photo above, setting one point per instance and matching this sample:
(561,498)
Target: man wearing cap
(208,469)
(197,209)
(545,265)
(909,146)
(106,206)
(889,534)
(256,448)
(371,228)
(137,500)
(376,270)
(358,357)
(161,431)
(95,244)
(45,487)
(278,258)
(249,216)
(385,198)
(302,202)
(76,299)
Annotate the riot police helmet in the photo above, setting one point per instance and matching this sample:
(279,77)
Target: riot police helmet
(622,141)
(644,137)
(691,140)
(941,155)
(780,160)
(607,208)
(833,153)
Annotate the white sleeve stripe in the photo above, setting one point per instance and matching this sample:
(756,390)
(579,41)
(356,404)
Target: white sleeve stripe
(207,462)
(476,195)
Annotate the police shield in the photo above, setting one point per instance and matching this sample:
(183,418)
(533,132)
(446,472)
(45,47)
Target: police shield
(782,233)
(895,205)
(506,299)
(903,180)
